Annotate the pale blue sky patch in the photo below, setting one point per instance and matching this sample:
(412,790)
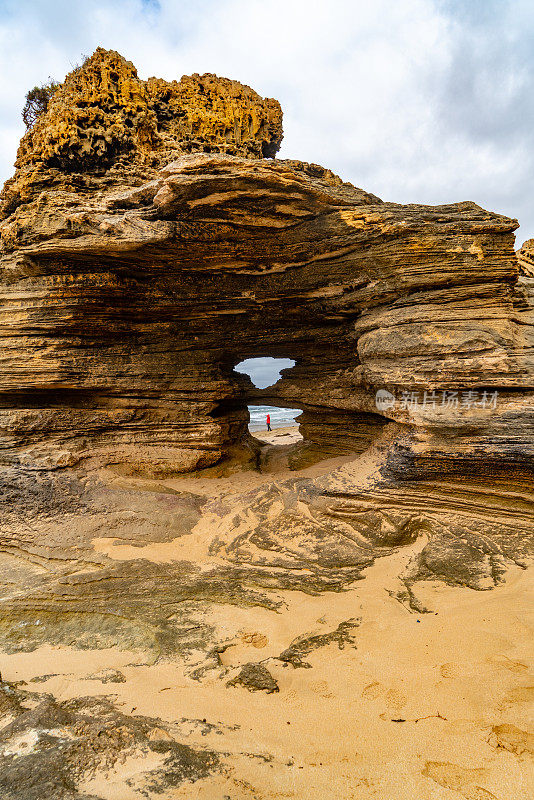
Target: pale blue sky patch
(265,371)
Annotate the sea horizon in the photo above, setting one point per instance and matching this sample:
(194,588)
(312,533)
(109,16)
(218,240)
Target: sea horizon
(280,417)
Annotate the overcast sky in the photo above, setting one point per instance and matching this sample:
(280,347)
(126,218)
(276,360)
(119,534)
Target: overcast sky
(428,101)
(264,371)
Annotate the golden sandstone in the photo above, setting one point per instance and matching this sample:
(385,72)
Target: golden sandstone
(149,242)
(103,111)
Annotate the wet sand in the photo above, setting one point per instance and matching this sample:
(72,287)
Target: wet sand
(409,706)
(288,434)
(419,707)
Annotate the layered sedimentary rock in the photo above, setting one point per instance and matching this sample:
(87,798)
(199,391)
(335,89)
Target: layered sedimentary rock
(149,243)
(133,281)
(138,271)
(136,274)
(131,290)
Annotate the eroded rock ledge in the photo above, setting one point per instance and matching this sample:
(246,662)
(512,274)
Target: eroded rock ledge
(149,243)
(138,270)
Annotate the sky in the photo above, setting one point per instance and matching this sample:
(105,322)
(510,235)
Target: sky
(427,101)
(264,371)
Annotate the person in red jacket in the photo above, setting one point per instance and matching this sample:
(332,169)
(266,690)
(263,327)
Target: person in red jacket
(269,422)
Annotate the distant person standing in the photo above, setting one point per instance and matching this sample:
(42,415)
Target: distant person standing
(269,422)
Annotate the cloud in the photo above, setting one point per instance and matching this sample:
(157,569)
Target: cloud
(428,101)
(265,371)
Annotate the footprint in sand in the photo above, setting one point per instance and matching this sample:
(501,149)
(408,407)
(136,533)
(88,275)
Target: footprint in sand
(453,670)
(514,666)
(321,688)
(372,691)
(509,737)
(450,670)
(521,694)
(254,638)
(458,779)
(291,696)
(478,793)
(393,698)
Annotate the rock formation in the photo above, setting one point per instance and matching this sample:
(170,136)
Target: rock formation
(139,269)
(131,290)
(104,114)
(149,243)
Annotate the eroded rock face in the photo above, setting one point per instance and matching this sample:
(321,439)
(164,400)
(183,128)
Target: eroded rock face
(129,298)
(104,113)
(146,249)
(137,272)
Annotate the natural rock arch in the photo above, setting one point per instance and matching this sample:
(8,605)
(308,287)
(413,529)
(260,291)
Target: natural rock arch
(134,280)
(136,273)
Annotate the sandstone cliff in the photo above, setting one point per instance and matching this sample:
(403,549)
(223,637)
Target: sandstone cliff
(138,271)
(149,243)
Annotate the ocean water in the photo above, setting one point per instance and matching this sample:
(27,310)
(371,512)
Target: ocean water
(280,417)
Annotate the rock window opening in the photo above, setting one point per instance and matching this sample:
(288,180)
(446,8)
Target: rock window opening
(283,423)
(264,373)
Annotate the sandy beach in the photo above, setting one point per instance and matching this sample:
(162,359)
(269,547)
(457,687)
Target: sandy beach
(287,434)
(381,702)
(193,607)
(429,707)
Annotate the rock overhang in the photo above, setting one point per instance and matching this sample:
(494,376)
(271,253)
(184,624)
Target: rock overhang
(129,291)
(136,277)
